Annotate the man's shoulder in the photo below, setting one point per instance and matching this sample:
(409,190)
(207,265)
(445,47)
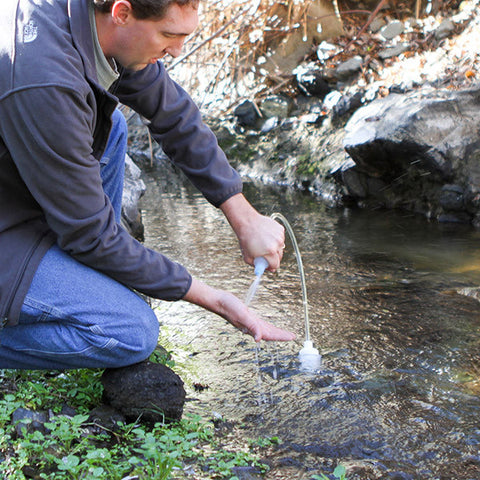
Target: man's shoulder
(39,48)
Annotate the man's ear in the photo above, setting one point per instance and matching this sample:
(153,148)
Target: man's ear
(121,12)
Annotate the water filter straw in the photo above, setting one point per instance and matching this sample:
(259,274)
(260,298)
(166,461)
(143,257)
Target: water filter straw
(308,349)
(310,359)
(260,265)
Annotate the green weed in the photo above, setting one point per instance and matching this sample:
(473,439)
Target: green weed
(339,473)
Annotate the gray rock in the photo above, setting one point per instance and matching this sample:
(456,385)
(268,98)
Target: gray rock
(349,68)
(393,51)
(269,124)
(29,421)
(332,99)
(424,146)
(148,390)
(377,24)
(106,417)
(444,29)
(133,189)
(347,103)
(276,106)
(247,114)
(392,30)
(325,50)
(451,198)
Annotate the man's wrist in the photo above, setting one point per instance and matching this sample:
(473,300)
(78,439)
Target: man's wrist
(238,211)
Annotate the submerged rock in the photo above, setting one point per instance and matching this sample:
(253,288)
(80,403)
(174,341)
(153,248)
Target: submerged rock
(148,390)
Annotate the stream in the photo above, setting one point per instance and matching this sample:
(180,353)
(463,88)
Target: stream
(397,393)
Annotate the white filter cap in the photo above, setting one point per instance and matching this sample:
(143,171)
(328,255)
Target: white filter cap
(310,359)
(308,349)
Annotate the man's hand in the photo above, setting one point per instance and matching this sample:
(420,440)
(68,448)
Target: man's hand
(235,312)
(258,235)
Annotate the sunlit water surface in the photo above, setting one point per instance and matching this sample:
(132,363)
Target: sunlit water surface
(397,393)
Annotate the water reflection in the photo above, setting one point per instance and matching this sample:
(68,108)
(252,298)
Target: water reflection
(397,392)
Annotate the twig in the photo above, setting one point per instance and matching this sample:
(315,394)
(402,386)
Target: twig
(220,67)
(369,21)
(150,146)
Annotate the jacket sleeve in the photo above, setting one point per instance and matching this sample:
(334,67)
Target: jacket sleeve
(176,123)
(48,132)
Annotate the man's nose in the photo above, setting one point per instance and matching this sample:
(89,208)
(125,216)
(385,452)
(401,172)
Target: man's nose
(175,49)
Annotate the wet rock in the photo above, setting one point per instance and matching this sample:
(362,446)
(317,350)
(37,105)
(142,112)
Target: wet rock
(311,81)
(247,114)
(29,421)
(416,144)
(133,189)
(276,106)
(269,124)
(457,217)
(451,198)
(148,390)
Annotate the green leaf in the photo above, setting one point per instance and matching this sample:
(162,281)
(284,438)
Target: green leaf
(69,462)
(340,472)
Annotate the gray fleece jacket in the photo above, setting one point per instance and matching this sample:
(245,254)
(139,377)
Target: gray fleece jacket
(54,125)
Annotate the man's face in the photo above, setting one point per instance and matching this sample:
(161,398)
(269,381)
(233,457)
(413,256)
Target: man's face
(141,42)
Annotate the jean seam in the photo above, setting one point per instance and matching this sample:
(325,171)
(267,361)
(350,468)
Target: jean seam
(111,343)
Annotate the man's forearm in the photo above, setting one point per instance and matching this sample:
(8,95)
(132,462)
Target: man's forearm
(232,309)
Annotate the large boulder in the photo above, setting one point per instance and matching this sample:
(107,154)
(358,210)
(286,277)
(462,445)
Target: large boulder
(146,390)
(418,151)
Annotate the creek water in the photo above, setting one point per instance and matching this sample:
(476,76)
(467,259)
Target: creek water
(397,392)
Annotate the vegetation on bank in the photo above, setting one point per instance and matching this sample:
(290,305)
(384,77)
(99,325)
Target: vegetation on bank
(75,447)
(72,444)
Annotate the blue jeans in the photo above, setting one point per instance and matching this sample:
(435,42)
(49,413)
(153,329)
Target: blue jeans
(74,316)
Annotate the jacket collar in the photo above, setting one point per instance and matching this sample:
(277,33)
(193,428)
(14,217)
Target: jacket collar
(82,35)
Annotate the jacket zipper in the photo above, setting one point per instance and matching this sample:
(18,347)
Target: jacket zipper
(4,320)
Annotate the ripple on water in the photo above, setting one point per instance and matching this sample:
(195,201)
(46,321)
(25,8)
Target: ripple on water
(396,395)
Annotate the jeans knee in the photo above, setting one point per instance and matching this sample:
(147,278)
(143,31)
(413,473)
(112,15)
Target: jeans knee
(119,125)
(145,333)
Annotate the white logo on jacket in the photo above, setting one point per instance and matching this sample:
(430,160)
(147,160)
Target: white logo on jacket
(30,32)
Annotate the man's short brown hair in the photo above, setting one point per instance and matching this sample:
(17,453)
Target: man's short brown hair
(143,9)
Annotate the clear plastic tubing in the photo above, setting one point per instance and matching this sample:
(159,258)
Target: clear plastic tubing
(287,226)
